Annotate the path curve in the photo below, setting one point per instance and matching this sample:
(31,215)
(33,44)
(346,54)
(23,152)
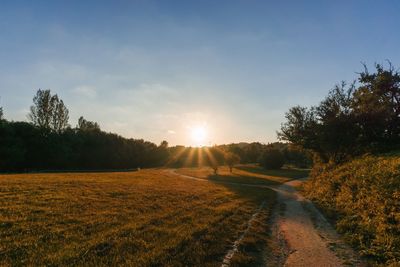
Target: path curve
(307,245)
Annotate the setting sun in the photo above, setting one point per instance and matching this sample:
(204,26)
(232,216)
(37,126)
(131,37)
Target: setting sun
(198,135)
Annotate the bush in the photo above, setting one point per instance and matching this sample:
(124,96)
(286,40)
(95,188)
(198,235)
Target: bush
(272,158)
(363,196)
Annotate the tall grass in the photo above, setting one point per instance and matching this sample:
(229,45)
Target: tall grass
(363,197)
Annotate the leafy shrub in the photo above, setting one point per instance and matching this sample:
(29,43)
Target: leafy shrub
(272,158)
(363,196)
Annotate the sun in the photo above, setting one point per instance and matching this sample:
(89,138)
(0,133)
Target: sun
(198,135)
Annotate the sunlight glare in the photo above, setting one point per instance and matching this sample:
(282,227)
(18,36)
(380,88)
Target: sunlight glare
(199,135)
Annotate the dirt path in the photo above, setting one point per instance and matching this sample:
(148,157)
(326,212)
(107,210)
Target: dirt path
(307,245)
(302,233)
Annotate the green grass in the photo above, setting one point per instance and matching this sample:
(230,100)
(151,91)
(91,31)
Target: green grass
(145,218)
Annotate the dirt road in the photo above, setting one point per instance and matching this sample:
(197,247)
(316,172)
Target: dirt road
(306,245)
(302,233)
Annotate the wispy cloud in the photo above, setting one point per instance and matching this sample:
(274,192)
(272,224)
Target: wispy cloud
(86,91)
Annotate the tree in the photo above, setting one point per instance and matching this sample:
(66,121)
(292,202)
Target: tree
(231,159)
(253,152)
(350,121)
(164,144)
(299,127)
(336,125)
(48,111)
(162,153)
(1,114)
(60,115)
(272,158)
(214,158)
(376,106)
(85,125)
(297,156)
(42,109)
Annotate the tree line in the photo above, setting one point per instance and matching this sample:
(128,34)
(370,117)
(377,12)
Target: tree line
(270,156)
(48,142)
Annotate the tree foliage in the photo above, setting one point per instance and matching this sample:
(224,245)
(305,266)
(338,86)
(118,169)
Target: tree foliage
(376,106)
(48,144)
(297,156)
(49,112)
(214,158)
(231,159)
(1,114)
(85,125)
(351,120)
(272,158)
(25,147)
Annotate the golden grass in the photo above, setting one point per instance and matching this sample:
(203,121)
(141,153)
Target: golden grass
(145,218)
(362,197)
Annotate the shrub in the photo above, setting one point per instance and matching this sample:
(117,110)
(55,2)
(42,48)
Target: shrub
(272,158)
(363,196)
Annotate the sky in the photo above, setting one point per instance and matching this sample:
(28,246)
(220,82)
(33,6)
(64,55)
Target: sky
(156,70)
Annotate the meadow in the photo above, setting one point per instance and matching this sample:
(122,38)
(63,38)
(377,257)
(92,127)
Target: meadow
(150,217)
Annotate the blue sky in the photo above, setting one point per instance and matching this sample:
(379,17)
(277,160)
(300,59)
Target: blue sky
(156,69)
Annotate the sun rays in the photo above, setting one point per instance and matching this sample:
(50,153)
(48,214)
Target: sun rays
(196,157)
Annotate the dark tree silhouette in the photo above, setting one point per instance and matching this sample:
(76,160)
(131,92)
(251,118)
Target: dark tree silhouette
(42,109)
(231,159)
(376,105)
(48,111)
(60,115)
(352,121)
(272,158)
(214,158)
(85,125)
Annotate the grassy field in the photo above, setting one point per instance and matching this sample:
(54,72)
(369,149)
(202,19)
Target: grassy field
(146,218)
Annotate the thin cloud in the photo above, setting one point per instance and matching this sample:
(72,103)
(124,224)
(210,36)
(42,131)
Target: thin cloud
(86,91)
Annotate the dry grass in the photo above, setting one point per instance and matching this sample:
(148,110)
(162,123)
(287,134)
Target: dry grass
(146,218)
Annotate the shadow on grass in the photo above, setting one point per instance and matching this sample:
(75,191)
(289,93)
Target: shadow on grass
(255,213)
(291,173)
(241,180)
(252,188)
(255,187)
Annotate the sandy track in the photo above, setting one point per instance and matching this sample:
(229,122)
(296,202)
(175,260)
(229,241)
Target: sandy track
(308,237)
